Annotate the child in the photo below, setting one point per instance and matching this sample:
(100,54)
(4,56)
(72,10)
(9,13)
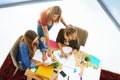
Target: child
(27,47)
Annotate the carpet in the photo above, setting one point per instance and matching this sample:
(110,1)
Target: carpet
(7,70)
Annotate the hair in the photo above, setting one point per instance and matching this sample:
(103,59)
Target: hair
(54,10)
(28,37)
(70,31)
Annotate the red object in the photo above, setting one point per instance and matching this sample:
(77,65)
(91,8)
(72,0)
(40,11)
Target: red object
(53,44)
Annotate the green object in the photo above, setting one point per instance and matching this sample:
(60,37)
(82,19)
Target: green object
(87,58)
(55,64)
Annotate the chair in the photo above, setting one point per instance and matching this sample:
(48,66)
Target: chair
(13,54)
(82,36)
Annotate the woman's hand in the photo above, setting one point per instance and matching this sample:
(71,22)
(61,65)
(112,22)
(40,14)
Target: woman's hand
(63,54)
(41,63)
(69,54)
(44,64)
(44,57)
(49,52)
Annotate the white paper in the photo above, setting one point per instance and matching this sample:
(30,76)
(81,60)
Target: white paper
(91,74)
(67,49)
(57,54)
(69,71)
(38,56)
(69,61)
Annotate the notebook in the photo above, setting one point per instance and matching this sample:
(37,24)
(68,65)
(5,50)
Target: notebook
(45,71)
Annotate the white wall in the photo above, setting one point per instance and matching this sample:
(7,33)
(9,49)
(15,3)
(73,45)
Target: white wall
(103,39)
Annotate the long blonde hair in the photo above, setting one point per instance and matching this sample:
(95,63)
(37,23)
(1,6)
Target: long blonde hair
(54,10)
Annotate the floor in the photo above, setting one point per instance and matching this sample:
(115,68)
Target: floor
(103,40)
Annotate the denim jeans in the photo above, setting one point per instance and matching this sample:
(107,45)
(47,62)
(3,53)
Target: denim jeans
(40,30)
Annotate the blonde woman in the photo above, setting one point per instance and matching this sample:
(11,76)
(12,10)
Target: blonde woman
(67,37)
(47,18)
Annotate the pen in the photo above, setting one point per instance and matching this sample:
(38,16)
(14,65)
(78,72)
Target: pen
(80,76)
(68,78)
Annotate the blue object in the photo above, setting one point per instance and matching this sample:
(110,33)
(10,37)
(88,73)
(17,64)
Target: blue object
(94,60)
(81,78)
(75,70)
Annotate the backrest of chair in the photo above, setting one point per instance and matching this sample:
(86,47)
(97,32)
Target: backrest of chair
(14,51)
(82,35)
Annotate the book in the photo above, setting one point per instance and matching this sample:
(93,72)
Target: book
(45,71)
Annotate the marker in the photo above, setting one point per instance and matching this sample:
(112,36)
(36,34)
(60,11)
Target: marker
(68,78)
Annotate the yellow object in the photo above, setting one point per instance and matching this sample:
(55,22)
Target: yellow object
(45,71)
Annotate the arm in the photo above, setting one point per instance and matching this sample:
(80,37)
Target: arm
(73,51)
(61,50)
(60,41)
(34,43)
(25,57)
(47,39)
(38,63)
(42,49)
(63,22)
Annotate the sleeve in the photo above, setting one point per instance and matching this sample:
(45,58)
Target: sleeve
(60,36)
(74,44)
(43,18)
(41,46)
(25,57)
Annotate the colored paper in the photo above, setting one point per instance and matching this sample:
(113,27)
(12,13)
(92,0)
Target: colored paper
(45,71)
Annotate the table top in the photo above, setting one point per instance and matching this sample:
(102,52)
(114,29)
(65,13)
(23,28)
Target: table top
(77,57)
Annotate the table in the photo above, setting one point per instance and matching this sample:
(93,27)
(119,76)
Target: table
(86,71)
(77,56)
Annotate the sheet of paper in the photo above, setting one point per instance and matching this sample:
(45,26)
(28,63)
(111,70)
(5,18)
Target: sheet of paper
(91,74)
(69,61)
(38,56)
(67,49)
(71,73)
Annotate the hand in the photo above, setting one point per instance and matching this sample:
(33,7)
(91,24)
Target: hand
(44,64)
(41,63)
(69,54)
(44,57)
(49,52)
(63,55)
(69,25)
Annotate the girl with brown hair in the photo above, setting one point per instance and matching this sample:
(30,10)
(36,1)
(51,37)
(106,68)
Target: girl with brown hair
(27,47)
